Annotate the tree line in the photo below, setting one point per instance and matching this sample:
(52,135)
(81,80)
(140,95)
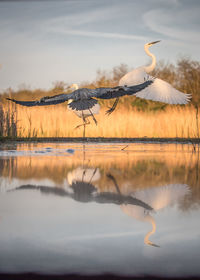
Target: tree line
(184,75)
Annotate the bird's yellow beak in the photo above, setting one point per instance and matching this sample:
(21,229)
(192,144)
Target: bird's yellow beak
(155,42)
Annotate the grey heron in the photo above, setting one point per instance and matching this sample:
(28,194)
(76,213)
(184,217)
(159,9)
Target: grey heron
(83,100)
(84,114)
(160,90)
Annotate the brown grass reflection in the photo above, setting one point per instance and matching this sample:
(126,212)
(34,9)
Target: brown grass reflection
(137,167)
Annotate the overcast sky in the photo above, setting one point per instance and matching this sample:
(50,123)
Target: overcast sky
(46,41)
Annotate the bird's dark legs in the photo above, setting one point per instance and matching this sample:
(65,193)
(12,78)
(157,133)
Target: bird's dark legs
(111,109)
(95,121)
(86,122)
(93,175)
(83,124)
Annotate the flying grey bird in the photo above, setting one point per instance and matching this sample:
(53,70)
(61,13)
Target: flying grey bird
(84,99)
(84,114)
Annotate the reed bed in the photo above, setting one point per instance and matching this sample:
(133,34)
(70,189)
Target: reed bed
(58,121)
(8,120)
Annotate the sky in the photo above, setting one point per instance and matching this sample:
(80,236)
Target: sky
(42,42)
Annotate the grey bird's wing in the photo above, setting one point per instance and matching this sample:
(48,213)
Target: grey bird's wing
(87,94)
(109,93)
(47,100)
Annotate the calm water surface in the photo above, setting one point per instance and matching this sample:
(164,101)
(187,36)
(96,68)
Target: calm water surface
(124,209)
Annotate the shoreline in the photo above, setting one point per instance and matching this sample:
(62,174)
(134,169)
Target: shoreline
(100,140)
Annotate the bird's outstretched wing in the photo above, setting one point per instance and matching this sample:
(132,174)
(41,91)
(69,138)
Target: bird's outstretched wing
(47,100)
(85,94)
(109,93)
(44,190)
(163,92)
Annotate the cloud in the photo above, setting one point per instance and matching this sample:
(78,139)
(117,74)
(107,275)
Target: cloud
(93,23)
(79,18)
(110,35)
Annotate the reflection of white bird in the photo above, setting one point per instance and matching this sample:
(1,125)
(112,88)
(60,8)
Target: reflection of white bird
(86,175)
(158,91)
(158,198)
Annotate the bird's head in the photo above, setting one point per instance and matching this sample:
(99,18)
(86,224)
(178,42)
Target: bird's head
(73,87)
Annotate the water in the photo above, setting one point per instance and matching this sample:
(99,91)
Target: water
(123,209)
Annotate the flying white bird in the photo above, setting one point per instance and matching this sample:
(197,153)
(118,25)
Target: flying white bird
(159,91)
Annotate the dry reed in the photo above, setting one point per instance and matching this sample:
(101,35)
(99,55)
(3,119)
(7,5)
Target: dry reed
(58,121)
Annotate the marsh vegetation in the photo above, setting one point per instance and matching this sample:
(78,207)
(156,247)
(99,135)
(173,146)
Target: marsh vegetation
(134,117)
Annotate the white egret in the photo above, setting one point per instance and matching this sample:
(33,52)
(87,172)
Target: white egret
(158,91)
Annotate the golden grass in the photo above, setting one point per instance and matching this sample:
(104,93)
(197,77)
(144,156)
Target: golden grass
(58,121)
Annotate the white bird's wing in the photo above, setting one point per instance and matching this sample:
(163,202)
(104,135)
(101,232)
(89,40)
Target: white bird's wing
(163,92)
(156,197)
(159,90)
(134,77)
(160,197)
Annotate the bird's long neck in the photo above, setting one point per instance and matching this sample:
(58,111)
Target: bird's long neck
(150,67)
(153,223)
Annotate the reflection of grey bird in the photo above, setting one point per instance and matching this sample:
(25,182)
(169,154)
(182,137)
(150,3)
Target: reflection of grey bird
(86,192)
(159,91)
(84,98)
(80,181)
(82,190)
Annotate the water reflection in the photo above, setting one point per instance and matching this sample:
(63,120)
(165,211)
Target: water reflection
(158,198)
(84,191)
(69,210)
(140,205)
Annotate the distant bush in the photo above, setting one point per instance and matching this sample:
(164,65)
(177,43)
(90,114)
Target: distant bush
(185,76)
